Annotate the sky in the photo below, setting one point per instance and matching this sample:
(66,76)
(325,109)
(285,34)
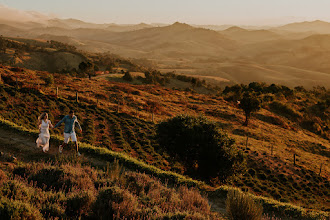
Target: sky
(212,12)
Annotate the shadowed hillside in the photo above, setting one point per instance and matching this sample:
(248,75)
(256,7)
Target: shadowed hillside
(290,122)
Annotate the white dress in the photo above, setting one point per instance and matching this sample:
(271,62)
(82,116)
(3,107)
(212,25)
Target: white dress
(44,136)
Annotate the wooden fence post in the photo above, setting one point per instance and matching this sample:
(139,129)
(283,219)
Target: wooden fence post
(271,151)
(246,144)
(320,169)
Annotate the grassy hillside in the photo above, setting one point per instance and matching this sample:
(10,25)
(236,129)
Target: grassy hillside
(36,186)
(54,56)
(275,134)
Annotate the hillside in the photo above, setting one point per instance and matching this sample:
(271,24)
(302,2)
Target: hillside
(309,53)
(191,50)
(39,186)
(249,36)
(268,168)
(54,56)
(318,27)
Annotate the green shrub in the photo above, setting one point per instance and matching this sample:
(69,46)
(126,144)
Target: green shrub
(240,206)
(200,146)
(11,209)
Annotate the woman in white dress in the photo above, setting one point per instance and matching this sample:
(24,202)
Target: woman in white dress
(44,136)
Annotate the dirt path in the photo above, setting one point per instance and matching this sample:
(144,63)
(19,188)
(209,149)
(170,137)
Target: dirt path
(24,148)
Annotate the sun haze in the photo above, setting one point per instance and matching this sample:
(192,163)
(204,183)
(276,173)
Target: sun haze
(237,12)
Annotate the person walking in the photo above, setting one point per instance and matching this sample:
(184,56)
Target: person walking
(70,122)
(44,136)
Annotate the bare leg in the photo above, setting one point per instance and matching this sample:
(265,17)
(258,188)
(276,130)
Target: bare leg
(76,143)
(77,147)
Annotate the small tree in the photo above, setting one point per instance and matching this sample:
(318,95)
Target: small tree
(205,151)
(49,80)
(128,77)
(250,103)
(152,107)
(86,67)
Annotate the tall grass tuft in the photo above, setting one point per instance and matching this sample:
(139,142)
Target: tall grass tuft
(240,206)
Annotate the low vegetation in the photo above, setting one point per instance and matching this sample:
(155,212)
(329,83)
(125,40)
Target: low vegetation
(271,140)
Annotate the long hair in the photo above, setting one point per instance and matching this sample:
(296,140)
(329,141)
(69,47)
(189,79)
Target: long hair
(41,117)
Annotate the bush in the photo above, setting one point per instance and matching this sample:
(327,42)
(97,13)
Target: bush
(11,209)
(115,201)
(49,80)
(284,110)
(15,190)
(200,146)
(240,206)
(52,211)
(63,178)
(128,77)
(79,204)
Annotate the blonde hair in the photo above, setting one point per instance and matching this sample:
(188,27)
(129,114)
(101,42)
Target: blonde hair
(41,117)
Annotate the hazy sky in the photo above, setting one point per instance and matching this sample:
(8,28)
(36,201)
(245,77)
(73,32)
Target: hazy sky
(241,12)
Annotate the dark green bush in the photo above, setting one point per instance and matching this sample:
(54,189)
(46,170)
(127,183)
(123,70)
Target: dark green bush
(200,146)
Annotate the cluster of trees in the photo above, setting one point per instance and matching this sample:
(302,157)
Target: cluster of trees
(6,43)
(17,46)
(308,108)
(259,88)
(156,77)
(61,46)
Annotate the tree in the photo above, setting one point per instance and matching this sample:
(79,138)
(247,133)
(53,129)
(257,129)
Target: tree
(250,103)
(152,107)
(128,77)
(204,150)
(86,67)
(3,45)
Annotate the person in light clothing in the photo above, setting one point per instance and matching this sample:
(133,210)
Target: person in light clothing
(70,122)
(44,136)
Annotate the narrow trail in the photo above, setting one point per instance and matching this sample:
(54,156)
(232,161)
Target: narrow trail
(24,148)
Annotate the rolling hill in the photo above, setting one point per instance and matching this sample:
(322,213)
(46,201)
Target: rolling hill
(249,36)
(317,27)
(295,126)
(190,50)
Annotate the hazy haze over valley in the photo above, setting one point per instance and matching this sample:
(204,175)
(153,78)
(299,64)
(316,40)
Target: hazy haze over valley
(292,54)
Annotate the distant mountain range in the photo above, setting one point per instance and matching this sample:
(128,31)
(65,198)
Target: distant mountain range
(298,51)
